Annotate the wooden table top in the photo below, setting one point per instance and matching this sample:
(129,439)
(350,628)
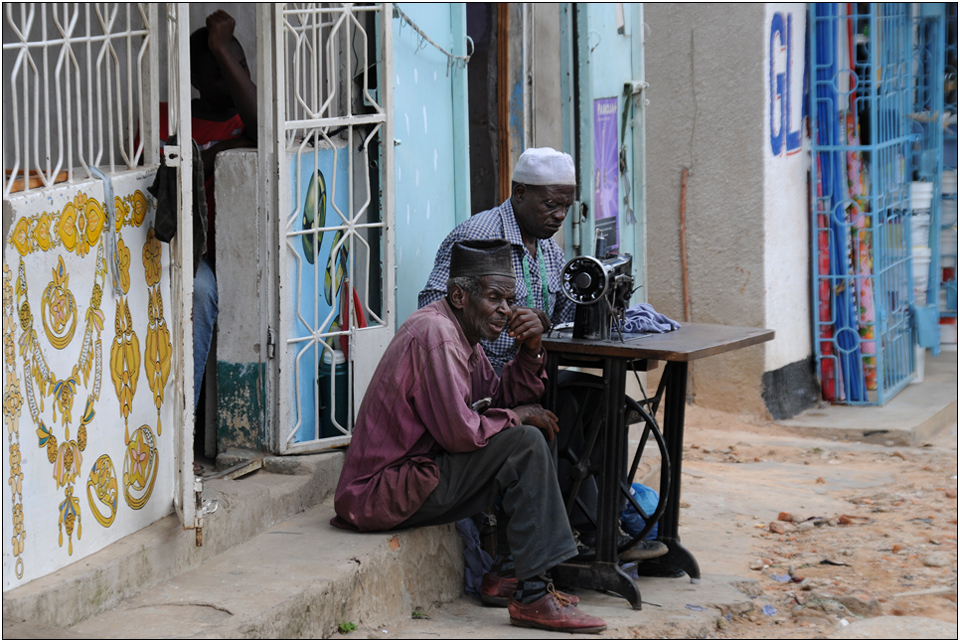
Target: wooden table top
(692,341)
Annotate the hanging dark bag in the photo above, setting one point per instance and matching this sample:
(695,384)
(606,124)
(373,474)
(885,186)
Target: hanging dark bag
(164,189)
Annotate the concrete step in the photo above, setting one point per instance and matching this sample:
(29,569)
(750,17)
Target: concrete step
(301,578)
(271,566)
(915,415)
(247,506)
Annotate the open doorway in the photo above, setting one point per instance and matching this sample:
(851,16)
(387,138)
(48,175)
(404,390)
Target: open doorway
(496,100)
(483,83)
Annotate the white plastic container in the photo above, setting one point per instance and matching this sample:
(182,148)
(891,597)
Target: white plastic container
(948,211)
(921,196)
(948,183)
(920,229)
(921,272)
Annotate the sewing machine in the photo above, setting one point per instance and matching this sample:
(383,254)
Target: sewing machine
(601,288)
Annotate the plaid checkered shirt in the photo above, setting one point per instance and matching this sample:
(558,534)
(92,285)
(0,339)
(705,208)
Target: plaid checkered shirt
(500,222)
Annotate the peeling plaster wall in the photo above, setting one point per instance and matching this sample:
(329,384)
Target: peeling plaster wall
(705,66)
(240,270)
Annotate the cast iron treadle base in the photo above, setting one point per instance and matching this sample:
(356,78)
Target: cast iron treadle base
(675,563)
(599,576)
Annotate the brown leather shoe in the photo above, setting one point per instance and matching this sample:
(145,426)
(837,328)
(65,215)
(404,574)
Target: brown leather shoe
(498,591)
(553,612)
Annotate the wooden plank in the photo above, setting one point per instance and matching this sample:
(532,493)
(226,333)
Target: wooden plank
(239,470)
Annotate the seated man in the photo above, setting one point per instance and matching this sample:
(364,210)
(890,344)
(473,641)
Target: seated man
(421,454)
(543,188)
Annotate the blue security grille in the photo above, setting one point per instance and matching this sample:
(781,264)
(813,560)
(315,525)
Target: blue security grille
(948,211)
(927,162)
(860,98)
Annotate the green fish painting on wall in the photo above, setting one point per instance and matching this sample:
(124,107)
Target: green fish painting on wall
(313,219)
(314,216)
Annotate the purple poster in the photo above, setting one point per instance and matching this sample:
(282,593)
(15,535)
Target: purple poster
(606,171)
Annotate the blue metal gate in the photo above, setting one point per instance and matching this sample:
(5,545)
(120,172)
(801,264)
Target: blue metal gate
(928,161)
(948,212)
(860,98)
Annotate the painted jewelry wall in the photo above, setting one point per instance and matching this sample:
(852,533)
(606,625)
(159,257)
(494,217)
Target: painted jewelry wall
(87,361)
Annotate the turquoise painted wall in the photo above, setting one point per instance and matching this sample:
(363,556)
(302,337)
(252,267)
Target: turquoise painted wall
(431,152)
(609,58)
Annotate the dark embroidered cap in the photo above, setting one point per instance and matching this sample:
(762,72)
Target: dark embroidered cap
(487,257)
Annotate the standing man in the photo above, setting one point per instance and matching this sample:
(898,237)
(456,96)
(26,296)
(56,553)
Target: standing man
(426,451)
(543,189)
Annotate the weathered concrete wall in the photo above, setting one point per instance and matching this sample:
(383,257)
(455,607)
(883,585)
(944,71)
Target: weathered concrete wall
(547,117)
(240,270)
(705,67)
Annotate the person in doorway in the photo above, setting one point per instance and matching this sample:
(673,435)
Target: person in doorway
(425,450)
(543,188)
(223,117)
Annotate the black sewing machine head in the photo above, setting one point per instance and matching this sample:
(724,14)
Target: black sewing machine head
(601,288)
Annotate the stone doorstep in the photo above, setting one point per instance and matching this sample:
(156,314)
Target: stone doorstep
(913,416)
(164,550)
(301,578)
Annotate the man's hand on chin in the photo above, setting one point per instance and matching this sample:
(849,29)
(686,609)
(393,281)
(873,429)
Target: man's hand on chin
(527,326)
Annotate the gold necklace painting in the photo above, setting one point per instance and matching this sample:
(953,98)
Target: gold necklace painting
(49,379)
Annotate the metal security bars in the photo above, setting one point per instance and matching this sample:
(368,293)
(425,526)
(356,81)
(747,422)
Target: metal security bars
(927,164)
(333,124)
(948,211)
(76,77)
(860,97)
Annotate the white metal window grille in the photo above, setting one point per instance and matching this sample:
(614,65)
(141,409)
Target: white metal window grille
(74,77)
(333,231)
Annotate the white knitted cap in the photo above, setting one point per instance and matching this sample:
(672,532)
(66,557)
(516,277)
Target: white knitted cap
(545,166)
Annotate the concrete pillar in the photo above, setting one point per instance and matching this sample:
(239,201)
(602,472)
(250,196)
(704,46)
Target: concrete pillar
(240,371)
(709,113)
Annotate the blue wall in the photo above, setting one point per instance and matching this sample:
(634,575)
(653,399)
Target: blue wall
(431,157)
(608,60)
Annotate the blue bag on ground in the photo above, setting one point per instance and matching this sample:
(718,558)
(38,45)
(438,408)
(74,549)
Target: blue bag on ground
(630,520)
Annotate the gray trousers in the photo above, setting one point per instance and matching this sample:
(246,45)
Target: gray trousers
(517,465)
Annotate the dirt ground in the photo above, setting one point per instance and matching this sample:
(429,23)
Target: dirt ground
(831,531)
(817,535)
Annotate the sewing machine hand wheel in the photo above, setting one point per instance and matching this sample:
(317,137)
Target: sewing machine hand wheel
(574,452)
(635,413)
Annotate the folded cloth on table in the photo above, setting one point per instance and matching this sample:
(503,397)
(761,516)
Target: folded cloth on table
(643,318)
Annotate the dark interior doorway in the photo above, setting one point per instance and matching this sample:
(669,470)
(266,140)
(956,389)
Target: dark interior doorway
(485,26)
